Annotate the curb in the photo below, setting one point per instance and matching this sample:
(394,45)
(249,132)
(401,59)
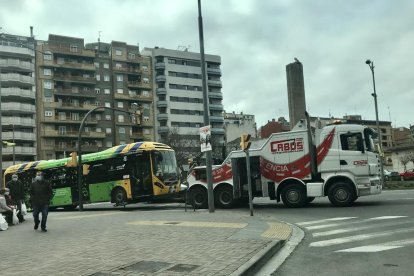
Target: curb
(258,260)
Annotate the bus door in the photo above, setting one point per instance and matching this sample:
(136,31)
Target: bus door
(142,177)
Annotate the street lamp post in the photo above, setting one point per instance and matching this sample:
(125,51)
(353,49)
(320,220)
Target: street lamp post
(371,66)
(80,166)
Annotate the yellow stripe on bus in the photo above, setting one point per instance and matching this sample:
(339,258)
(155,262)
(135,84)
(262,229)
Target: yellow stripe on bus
(127,148)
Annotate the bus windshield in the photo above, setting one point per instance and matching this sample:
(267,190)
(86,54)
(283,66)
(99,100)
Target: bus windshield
(166,165)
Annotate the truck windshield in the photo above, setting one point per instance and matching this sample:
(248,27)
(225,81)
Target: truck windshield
(369,135)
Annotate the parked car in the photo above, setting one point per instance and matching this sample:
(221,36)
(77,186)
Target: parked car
(391,175)
(407,175)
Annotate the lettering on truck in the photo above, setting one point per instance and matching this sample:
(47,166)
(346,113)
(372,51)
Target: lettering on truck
(290,145)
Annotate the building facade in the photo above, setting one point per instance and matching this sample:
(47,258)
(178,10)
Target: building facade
(18,98)
(73,79)
(179,97)
(237,124)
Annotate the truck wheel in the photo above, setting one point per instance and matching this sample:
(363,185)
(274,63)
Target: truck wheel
(294,195)
(119,196)
(199,198)
(224,197)
(341,194)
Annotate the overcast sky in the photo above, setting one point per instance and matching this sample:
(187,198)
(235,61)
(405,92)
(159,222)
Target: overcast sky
(256,39)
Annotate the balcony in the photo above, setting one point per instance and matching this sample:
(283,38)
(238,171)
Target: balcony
(214,71)
(71,51)
(18,108)
(162,104)
(72,65)
(13,77)
(161,78)
(217,106)
(17,51)
(131,97)
(159,65)
(61,120)
(216,119)
(71,106)
(17,64)
(72,134)
(163,129)
(17,121)
(161,91)
(215,95)
(18,92)
(74,93)
(214,83)
(139,84)
(217,131)
(128,70)
(18,135)
(77,79)
(20,150)
(71,148)
(162,117)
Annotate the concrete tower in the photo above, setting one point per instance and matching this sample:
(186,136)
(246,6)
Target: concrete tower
(296,92)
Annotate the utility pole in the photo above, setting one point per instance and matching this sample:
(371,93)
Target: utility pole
(1,139)
(209,165)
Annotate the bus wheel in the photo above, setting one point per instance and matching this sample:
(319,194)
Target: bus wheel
(119,196)
(294,195)
(341,194)
(224,197)
(199,198)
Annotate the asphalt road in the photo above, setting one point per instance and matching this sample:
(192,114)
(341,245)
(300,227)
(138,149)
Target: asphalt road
(374,237)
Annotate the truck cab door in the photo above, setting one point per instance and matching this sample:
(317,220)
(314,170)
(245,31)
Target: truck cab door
(353,155)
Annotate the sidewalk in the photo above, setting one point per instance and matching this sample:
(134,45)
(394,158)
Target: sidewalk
(150,241)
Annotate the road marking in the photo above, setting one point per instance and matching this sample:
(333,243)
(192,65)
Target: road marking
(347,230)
(404,198)
(323,220)
(380,247)
(189,223)
(316,227)
(348,239)
(280,231)
(91,215)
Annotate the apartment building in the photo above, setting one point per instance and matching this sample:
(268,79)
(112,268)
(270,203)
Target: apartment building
(18,91)
(179,96)
(124,82)
(236,124)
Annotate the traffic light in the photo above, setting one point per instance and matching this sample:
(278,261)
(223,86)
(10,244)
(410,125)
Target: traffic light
(73,161)
(6,144)
(245,141)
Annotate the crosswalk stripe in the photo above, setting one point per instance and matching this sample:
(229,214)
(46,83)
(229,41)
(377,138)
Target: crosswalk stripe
(323,220)
(316,227)
(354,229)
(348,239)
(380,247)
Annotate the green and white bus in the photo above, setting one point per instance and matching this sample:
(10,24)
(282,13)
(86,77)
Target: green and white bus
(123,174)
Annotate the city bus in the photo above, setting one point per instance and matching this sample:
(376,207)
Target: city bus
(128,173)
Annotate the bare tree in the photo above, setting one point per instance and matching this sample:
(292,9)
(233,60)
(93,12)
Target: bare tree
(405,159)
(185,146)
(410,157)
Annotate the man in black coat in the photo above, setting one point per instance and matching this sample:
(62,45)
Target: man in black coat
(41,193)
(16,188)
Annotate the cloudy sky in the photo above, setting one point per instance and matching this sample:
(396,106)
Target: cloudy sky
(256,39)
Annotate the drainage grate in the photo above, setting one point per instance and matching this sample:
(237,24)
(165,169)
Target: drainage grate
(183,268)
(172,222)
(146,266)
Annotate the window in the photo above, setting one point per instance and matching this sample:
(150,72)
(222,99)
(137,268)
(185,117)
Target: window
(74,116)
(62,129)
(96,64)
(98,117)
(352,141)
(121,104)
(119,78)
(107,91)
(47,56)
(98,77)
(48,100)
(121,130)
(47,84)
(106,78)
(97,90)
(106,65)
(48,113)
(108,144)
(62,116)
(131,55)
(147,131)
(74,48)
(47,72)
(121,118)
(145,80)
(118,52)
(108,130)
(107,104)
(97,103)
(120,91)
(99,143)
(108,117)
(118,65)
(145,93)
(98,129)
(145,68)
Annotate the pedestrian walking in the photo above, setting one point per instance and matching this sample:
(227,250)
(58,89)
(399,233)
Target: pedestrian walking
(6,209)
(41,193)
(16,188)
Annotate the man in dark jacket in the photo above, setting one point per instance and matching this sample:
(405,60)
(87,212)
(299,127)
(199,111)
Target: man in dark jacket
(41,193)
(16,188)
